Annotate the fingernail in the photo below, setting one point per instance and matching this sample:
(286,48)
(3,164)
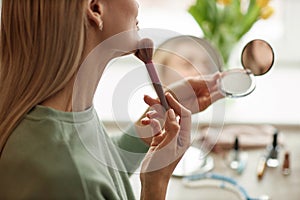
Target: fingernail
(150,113)
(144,120)
(172,114)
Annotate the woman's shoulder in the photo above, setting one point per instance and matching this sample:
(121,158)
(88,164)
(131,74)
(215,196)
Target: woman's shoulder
(38,167)
(44,129)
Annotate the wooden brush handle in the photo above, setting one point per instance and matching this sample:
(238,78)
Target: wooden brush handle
(160,93)
(157,85)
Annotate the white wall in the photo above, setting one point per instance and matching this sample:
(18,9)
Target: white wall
(289,44)
(281,30)
(275,99)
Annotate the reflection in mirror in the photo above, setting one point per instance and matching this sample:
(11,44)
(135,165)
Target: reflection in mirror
(183,56)
(258,57)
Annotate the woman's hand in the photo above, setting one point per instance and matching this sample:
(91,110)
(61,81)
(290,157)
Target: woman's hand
(197,93)
(167,147)
(194,93)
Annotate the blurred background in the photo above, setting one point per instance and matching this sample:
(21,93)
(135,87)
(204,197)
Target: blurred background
(274,101)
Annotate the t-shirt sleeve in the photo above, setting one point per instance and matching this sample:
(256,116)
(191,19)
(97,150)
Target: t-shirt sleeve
(131,148)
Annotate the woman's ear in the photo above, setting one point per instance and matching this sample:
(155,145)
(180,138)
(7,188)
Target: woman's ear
(95,12)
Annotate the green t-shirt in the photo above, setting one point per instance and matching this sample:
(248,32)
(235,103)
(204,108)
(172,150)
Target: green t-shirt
(61,155)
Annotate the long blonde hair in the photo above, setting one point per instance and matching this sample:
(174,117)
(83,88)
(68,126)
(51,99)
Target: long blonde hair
(40,50)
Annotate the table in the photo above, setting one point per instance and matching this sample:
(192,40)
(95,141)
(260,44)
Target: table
(274,184)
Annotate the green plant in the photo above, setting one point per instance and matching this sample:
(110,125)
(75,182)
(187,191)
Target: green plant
(225,22)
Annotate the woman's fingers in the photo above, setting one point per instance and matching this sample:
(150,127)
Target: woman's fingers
(205,101)
(172,128)
(152,114)
(154,124)
(178,108)
(165,150)
(171,123)
(207,81)
(185,120)
(213,79)
(155,106)
(150,101)
(215,96)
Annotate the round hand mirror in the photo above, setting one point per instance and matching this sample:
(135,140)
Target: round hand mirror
(257,59)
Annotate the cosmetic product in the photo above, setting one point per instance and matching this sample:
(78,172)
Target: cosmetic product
(238,158)
(145,53)
(235,158)
(261,167)
(286,170)
(273,151)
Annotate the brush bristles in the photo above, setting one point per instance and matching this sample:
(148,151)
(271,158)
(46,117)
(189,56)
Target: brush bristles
(145,50)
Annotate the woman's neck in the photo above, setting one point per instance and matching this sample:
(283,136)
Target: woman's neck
(79,92)
(62,100)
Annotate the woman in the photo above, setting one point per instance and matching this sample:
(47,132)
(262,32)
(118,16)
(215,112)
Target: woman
(52,144)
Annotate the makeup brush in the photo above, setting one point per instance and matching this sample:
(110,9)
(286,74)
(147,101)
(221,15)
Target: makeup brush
(145,53)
